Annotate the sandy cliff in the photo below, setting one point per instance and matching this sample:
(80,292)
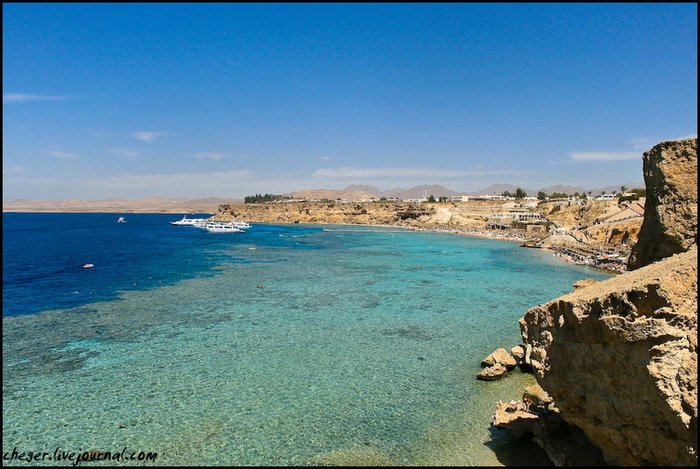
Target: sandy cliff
(367,213)
(620,357)
(671,208)
(614,234)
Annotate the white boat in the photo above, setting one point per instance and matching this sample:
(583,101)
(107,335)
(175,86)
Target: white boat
(221,227)
(240,224)
(121,220)
(198,222)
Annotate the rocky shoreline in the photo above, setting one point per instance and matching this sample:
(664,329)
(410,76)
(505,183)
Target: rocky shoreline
(616,361)
(465,219)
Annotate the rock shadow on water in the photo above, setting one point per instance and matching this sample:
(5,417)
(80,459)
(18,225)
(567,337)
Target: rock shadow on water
(516,451)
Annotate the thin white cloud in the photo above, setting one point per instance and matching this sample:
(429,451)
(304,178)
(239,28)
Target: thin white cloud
(13,169)
(64,155)
(22,97)
(146,135)
(642,144)
(401,172)
(325,158)
(605,155)
(246,182)
(125,152)
(169,185)
(210,156)
(39,181)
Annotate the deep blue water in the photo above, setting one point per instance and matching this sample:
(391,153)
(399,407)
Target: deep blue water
(44,254)
(283,345)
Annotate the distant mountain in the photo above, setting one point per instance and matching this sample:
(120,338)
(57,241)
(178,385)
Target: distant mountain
(332,194)
(609,189)
(568,190)
(363,188)
(358,191)
(418,192)
(498,189)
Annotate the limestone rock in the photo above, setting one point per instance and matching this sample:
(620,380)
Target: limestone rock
(493,372)
(519,422)
(620,360)
(518,352)
(671,208)
(539,396)
(500,356)
(584,283)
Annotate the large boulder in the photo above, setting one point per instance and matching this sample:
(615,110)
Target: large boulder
(500,356)
(492,373)
(671,208)
(620,360)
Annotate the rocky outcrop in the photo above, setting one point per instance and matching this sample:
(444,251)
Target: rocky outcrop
(614,234)
(620,360)
(584,283)
(570,215)
(565,444)
(500,362)
(493,372)
(619,357)
(500,356)
(671,207)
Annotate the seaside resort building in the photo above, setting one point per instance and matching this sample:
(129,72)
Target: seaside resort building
(505,220)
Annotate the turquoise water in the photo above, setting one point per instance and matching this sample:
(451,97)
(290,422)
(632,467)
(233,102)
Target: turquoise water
(322,345)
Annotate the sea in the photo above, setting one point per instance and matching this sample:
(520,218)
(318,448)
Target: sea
(281,345)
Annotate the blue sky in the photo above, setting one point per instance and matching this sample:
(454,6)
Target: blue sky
(227,100)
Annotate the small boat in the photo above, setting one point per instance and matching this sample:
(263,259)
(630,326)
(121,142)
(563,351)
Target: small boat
(198,222)
(240,224)
(221,227)
(121,220)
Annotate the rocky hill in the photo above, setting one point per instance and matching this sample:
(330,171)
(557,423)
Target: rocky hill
(620,357)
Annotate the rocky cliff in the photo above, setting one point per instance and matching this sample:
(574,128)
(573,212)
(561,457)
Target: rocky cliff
(671,208)
(473,214)
(333,213)
(614,234)
(620,357)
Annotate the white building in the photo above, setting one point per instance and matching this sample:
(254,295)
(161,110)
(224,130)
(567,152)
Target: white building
(518,215)
(606,197)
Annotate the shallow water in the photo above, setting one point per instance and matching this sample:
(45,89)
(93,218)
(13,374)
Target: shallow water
(320,345)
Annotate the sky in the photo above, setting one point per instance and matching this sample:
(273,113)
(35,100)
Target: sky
(228,100)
